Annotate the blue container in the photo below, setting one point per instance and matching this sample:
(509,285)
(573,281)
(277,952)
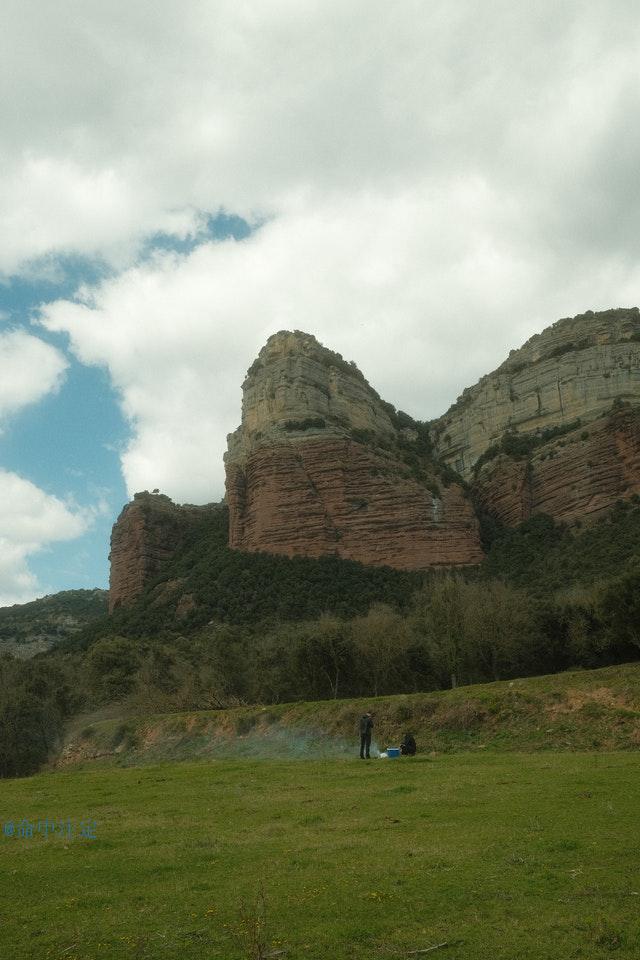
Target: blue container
(393,751)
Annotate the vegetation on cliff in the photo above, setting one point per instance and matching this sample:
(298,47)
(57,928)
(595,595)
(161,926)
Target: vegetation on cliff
(208,581)
(519,446)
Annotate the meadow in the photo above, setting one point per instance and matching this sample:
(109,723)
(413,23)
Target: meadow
(476,854)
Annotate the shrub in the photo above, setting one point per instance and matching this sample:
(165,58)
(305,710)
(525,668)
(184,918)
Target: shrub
(310,423)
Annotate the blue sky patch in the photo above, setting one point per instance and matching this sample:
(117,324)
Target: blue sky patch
(69,443)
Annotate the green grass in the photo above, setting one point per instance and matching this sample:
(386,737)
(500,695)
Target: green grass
(501,855)
(579,710)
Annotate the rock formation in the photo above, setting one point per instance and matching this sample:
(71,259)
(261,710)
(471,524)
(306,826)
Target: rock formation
(320,465)
(574,369)
(577,476)
(148,532)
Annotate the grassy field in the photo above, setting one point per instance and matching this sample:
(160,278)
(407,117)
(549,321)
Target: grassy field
(497,854)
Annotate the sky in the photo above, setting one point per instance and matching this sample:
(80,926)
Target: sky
(422,186)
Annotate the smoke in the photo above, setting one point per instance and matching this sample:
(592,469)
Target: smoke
(279,742)
(257,736)
(250,739)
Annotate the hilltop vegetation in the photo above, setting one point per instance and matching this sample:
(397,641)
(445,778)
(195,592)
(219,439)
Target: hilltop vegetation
(208,581)
(547,558)
(27,628)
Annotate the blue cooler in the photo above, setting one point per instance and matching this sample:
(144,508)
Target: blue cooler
(393,751)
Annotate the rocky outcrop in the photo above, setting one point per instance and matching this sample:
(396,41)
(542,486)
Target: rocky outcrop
(320,465)
(578,476)
(575,369)
(148,532)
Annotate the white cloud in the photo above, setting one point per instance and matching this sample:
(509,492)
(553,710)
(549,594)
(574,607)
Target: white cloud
(29,370)
(367,276)
(121,119)
(438,184)
(30,520)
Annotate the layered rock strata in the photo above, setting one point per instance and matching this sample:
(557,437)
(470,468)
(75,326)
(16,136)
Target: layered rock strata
(578,476)
(316,468)
(574,369)
(148,532)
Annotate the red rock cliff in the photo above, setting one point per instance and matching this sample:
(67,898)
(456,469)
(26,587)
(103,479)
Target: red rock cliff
(148,532)
(577,476)
(319,467)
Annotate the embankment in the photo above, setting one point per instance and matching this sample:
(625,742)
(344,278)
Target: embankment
(582,710)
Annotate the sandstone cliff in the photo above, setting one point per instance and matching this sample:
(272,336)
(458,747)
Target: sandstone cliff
(320,465)
(578,476)
(574,369)
(148,532)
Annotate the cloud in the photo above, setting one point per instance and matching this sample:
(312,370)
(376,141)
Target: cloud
(29,370)
(434,185)
(122,120)
(368,276)
(30,520)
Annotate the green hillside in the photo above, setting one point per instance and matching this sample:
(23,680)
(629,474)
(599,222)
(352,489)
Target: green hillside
(28,628)
(580,710)
(544,557)
(214,582)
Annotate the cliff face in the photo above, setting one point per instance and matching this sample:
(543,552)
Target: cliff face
(578,476)
(574,369)
(320,465)
(148,532)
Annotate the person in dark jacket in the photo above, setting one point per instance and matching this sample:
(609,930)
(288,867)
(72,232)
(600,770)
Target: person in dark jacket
(366,726)
(408,746)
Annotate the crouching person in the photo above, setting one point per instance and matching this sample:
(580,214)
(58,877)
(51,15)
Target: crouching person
(408,746)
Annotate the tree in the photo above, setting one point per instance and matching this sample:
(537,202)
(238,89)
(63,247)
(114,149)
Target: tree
(499,626)
(620,609)
(381,639)
(438,621)
(324,658)
(111,666)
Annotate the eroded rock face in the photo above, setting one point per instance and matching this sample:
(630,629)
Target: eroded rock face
(578,476)
(147,533)
(574,369)
(317,468)
(321,465)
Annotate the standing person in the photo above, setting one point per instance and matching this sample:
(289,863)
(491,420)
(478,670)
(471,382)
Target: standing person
(366,726)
